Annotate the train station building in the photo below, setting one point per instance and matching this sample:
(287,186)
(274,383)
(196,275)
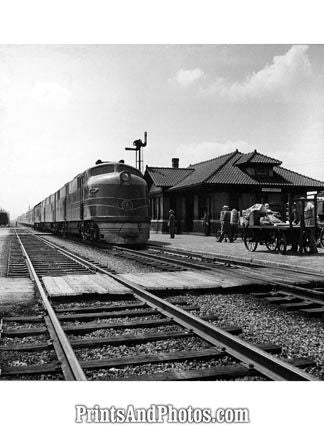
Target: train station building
(236,179)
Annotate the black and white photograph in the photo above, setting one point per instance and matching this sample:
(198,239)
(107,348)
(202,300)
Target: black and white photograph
(162,220)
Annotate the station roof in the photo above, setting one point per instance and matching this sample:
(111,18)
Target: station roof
(230,169)
(254,158)
(167,177)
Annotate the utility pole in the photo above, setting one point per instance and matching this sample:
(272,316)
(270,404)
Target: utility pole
(138,151)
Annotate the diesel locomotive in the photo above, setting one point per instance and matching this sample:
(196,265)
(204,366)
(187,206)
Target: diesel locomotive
(107,202)
(4,218)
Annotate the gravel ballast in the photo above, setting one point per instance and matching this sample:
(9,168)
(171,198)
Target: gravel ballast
(21,358)
(111,333)
(148,369)
(105,257)
(156,347)
(5,341)
(5,237)
(263,323)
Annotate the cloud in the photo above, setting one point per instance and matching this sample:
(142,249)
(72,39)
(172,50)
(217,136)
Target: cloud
(187,77)
(310,159)
(201,151)
(285,76)
(50,93)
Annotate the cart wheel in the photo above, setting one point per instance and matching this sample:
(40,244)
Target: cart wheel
(282,244)
(250,242)
(306,244)
(321,238)
(272,242)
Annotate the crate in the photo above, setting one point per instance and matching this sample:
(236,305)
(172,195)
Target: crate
(254,219)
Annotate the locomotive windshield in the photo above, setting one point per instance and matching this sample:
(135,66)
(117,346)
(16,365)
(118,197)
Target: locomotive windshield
(131,170)
(103,169)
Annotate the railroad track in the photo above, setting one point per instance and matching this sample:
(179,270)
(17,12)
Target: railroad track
(282,286)
(144,318)
(280,289)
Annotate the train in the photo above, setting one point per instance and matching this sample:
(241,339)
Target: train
(4,218)
(107,202)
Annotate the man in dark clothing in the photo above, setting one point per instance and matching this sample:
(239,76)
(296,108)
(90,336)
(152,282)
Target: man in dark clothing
(172,224)
(225,219)
(297,219)
(206,224)
(304,215)
(234,222)
(309,213)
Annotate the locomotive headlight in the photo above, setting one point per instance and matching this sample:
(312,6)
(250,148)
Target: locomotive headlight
(125,177)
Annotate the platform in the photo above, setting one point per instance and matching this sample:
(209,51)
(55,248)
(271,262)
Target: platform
(75,285)
(237,251)
(184,280)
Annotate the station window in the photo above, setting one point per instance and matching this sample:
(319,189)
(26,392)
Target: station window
(158,208)
(203,205)
(262,171)
(155,208)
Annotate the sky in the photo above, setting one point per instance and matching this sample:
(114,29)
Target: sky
(62,107)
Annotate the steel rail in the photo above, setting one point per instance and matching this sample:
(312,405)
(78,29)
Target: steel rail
(66,254)
(266,364)
(306,293)
(299,292)
(167,260)
(74,371)
(240,261)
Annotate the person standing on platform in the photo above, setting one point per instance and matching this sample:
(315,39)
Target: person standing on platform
(206,224)
(309,213)
(172,224)
(295,220)
(225,218)
(234,221)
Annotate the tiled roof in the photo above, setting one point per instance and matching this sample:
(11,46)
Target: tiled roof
(296,178)
(223,170)
(167,177)
(203,170)
(256,158)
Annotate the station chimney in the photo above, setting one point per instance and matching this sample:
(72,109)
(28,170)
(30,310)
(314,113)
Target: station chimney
(175,162)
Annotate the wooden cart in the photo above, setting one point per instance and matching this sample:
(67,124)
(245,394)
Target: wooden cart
(281,236)
(267,234)
(288,235)
(320,235)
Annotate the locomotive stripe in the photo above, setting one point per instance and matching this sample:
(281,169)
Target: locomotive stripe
(113,206)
